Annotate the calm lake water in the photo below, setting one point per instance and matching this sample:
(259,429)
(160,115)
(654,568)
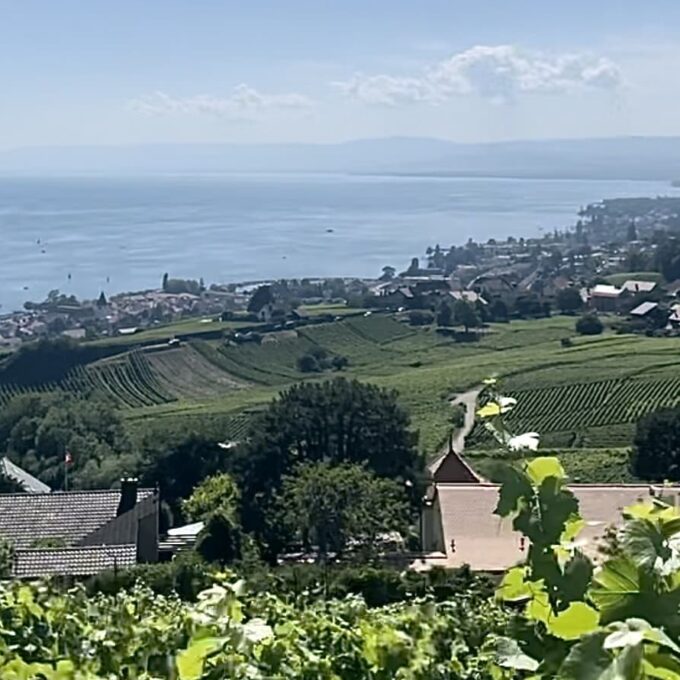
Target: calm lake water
(116,234)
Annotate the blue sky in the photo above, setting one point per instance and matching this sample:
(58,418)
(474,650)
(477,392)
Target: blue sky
(104,72)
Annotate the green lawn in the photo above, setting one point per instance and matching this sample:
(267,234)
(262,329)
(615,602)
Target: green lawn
(620,279)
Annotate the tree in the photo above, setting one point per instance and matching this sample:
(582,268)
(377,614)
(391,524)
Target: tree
(338,421)
(444,314)
(164,284)
(37,430)
(656,451)
(215,503)
(569,300)
(178,462)
(332,507)
(388,273)
(420,317)
(465,315)
(262,297)
(308,363)
(589,324)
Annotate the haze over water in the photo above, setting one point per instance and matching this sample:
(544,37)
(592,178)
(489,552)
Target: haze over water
(121,234)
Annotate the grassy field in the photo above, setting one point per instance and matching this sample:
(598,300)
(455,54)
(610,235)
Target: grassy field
(620,279)
(581,398)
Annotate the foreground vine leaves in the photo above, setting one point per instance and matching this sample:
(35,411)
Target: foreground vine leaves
(557,615)
(618,620)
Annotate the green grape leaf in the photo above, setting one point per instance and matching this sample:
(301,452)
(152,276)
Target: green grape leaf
(660,665)
(572,529)
(578,574)
(576,620)
(644,543)
(615,585)
(541,468)
(538,608)
(190,661)
(515,490)
(490,410)
(587,659)
(514,587)
(510,655)
(626,666)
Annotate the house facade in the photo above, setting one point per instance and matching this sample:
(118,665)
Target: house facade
(459,525)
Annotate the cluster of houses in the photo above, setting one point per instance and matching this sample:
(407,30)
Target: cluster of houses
(104,317)
(643,301)
(640,299)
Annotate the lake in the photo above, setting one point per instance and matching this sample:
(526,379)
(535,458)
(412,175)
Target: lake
(84,235)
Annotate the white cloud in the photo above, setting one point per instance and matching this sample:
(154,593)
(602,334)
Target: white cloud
(388,90)
(498,73)
(244,102)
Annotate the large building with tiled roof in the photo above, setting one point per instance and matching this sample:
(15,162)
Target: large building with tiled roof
(460,527)
(78,533)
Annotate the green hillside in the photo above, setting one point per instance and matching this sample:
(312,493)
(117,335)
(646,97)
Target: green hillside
(588,395)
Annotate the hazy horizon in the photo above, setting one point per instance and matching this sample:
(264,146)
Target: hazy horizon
(224,72)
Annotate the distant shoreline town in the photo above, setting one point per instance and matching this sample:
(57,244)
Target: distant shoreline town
(514,277)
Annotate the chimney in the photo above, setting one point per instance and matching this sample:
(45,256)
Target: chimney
(128,495)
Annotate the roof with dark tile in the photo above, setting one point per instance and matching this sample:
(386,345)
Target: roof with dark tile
(80,561)
(67,516)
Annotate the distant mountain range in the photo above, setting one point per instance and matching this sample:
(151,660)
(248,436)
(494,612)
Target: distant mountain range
(641,158)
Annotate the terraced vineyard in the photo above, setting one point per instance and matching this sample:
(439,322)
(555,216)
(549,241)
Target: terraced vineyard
(187,374)
(600,413)
(128,380)
(588,395)
(379,328)
(272,362)
(8,392)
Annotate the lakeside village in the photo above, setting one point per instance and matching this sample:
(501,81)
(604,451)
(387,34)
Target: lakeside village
(581,268)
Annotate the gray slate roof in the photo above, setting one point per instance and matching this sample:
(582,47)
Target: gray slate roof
(29,483)
(644,308)
(69,516)
(81,561)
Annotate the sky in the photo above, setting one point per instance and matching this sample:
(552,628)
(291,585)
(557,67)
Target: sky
(154,71)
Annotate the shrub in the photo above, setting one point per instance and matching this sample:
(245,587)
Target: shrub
(186,576)
(317,360)
(589,324)
(419,317)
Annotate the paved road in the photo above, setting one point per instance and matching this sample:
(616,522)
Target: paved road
(469,400)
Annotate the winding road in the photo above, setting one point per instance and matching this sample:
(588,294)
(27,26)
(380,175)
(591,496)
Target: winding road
(469,400)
